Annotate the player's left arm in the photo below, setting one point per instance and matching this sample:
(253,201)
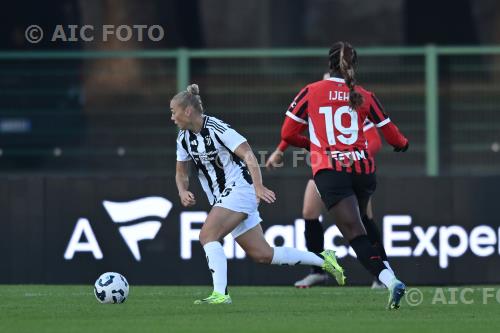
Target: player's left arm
(390,131)
(244,151)
(236,143)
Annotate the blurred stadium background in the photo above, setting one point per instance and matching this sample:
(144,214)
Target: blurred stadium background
(82,122)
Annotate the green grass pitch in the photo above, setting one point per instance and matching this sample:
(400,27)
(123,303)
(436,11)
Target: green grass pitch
(34,308)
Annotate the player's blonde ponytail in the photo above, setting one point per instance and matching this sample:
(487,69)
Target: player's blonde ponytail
(190,97)
(193,89)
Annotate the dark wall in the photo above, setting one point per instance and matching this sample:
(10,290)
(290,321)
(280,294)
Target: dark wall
(263,23)
(40,215)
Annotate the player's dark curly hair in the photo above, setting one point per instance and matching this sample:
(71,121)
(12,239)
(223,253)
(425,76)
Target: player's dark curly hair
(342,60)
(190,97)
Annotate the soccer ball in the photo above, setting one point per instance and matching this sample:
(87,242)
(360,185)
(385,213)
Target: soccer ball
(111,287)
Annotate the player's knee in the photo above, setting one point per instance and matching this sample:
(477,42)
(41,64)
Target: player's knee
(309,213)
(206,237)
(261,256)
(202,238)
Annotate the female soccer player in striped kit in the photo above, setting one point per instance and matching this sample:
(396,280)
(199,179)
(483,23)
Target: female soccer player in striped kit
(230,176)
(334,111)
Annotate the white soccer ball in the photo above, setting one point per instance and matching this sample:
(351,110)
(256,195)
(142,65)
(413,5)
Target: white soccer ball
(111,287)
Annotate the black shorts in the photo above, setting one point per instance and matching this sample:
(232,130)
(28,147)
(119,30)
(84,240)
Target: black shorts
(333,186)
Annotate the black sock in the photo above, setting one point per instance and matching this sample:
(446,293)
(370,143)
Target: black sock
(314,239)
(374,235)
(368,255)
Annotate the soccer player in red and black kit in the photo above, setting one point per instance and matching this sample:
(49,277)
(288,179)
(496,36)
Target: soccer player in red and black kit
(334,111)
(313,206)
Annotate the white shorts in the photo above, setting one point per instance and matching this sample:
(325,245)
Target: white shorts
(242,199)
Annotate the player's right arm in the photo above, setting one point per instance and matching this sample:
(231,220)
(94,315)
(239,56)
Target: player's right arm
(381,120)
(182,182)
(182,175)
(296,121)
(289,135)
(276,158)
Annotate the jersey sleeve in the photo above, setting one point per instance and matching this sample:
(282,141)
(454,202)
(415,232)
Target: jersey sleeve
(376,113)
(298,109)
(393,136)
(372,138)
(231,138)
(291,133)
(182,154)
(283,145)
(381,120)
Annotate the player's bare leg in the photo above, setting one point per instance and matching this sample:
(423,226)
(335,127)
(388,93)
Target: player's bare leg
(257,248)
(220,221)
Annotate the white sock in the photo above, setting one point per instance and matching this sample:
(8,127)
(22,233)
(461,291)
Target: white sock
(291,256)
(217,263)
(387,277)
(386,263)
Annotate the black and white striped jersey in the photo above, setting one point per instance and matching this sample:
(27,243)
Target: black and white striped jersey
(212,151)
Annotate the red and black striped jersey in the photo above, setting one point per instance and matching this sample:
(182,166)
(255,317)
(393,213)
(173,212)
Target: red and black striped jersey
(373,141)
(336,137)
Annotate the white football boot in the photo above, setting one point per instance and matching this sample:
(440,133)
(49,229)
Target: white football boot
(311,280)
